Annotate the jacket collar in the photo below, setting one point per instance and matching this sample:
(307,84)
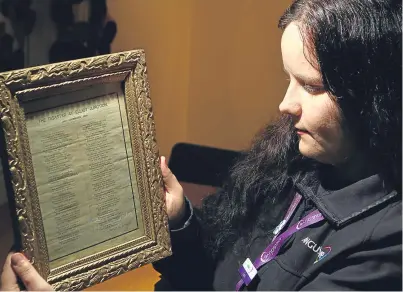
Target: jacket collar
(343,205)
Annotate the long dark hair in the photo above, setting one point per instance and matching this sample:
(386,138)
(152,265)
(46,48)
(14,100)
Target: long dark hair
(356,46)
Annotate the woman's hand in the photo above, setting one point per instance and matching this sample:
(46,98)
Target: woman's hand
(174,198)
(18,266)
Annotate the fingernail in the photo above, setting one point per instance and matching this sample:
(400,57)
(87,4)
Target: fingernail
(17,259)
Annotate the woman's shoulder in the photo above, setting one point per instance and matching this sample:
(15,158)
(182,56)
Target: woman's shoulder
(389,225)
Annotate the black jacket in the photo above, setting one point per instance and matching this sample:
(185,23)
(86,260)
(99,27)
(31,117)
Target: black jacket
(361,237)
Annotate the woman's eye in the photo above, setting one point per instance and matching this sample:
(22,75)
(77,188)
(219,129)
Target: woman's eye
(312,89)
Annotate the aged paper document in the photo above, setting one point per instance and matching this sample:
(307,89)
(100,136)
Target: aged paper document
(82,162)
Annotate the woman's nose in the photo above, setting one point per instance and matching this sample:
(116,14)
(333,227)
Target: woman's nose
(290,105)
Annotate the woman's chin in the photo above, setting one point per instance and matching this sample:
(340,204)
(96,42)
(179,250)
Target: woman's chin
(305,149)
(311,152)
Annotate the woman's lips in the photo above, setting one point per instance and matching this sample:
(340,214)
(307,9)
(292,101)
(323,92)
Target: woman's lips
(301,132)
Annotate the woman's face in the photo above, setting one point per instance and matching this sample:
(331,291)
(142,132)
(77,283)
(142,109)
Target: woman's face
(316,116)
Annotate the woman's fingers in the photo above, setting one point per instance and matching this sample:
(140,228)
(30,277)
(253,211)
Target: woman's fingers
(8,277)
(169,178)
(28,275)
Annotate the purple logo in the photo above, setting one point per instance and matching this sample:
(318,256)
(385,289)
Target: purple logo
(323,253)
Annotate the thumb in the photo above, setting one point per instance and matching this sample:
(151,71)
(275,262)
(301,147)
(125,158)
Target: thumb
(170,181)
(28,275)
(8,278)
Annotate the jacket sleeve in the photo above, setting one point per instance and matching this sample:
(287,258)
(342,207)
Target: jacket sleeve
(189,267)
(376,266)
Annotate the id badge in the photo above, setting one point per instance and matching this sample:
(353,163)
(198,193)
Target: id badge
(248,271)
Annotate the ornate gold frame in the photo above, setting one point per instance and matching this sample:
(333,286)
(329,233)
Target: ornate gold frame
(130,68)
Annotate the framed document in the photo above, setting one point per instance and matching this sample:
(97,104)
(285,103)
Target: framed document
(84,180)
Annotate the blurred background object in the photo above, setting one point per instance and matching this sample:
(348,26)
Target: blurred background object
(38,32)
(201,169)
(17,21)
(81,34)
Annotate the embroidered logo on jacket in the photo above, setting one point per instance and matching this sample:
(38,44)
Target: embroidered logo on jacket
(321,251)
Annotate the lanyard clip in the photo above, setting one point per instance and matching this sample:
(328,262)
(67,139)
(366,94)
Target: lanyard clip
(279,227)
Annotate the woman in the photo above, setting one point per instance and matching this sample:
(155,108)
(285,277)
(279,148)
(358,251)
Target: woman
(316,202)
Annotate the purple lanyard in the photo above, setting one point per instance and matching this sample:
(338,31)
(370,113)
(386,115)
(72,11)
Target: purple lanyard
(274,247)
(294,204)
